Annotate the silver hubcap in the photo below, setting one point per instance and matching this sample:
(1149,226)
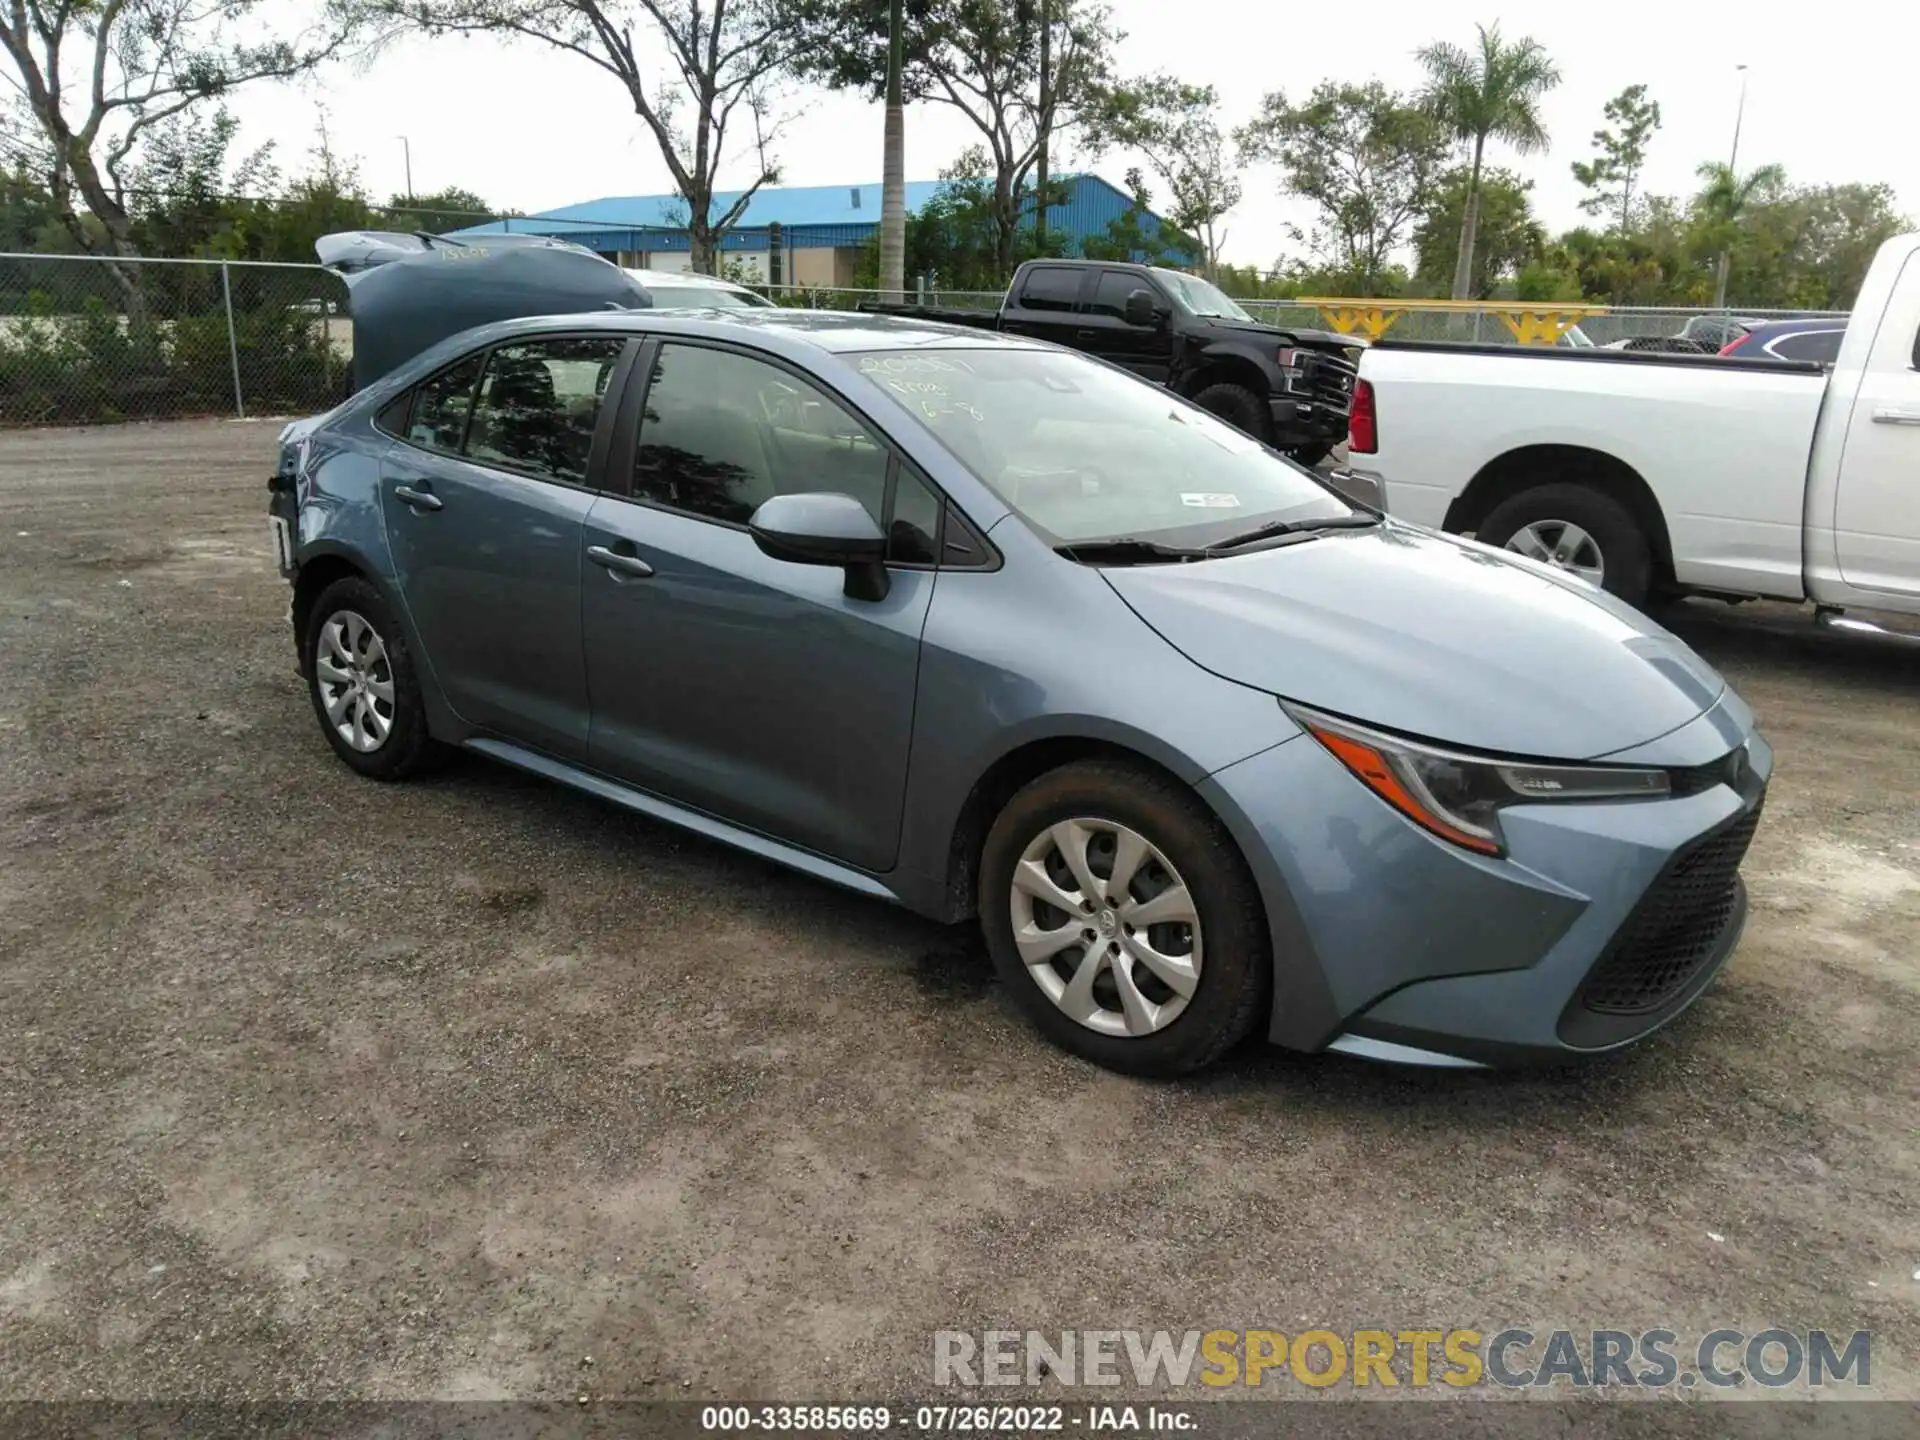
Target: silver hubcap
(355,680)
(1106,926)
(1563,544)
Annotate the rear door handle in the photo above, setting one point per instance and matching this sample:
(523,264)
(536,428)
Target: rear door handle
(620,564)
(1895,415)
(1086,334)
(417,499)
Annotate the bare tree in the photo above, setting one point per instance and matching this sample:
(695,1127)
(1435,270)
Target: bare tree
(1174,126)
(1023,72)
(725,55)
(91,77)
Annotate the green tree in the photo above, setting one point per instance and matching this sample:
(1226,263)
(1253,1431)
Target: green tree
(439,211)
(1022,72)
(722,58)
(93,77)
(1366,157)
(1612,173)
(1723,199)
(1491,93)
(1175,126)
(187,196)
(1510,235)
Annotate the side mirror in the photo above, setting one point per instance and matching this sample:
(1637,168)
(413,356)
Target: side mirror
(825,529)
(1140,309)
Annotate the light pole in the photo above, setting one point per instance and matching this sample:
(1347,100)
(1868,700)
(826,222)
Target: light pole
(406,149)
(1739,114)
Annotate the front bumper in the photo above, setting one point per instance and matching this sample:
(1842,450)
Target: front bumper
(1390,942)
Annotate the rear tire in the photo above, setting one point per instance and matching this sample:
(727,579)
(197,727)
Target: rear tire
(1539,516)
(361,680)
(1130,1013)
(1239,407)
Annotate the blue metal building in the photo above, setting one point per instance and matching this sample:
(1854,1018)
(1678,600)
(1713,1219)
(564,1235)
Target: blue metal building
(823,227)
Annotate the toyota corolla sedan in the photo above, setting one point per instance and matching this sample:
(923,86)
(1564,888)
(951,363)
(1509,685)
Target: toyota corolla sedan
(992,630)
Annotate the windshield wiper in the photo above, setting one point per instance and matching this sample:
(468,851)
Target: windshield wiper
(1293,527)
(1126,551)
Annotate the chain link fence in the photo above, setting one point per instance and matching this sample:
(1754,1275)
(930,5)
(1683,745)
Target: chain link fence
(85,340)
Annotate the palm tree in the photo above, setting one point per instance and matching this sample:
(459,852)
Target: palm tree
(893,171)
(1492,95)
(1722,202)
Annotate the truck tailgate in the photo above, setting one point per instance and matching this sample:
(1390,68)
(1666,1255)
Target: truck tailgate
(1723,446)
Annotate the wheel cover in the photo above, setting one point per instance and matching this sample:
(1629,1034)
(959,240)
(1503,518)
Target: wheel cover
(1565,546)
(354,679)
(1107,928)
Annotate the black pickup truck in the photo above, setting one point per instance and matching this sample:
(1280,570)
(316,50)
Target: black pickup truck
(1290,388)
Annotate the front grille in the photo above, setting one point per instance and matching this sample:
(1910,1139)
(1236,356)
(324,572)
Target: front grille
(1680,919)
(1326,379)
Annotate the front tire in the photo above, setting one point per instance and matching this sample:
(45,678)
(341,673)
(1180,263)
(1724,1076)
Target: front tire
(1123,920)
(361,680)
(1579,529)
(1239,407)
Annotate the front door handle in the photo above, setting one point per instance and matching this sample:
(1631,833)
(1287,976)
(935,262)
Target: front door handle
(1086,335)
(620,564)
(417,499)
(1895,415)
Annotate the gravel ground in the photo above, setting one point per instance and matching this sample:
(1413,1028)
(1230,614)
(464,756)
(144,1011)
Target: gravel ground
(314,1087)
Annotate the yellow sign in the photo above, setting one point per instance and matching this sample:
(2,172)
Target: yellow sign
(1528,324)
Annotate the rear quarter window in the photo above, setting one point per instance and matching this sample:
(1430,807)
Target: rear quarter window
(1818,345)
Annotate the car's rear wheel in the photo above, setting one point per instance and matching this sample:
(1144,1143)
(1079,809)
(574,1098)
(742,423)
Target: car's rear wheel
(1577,529)
(1123,920)
(361,678)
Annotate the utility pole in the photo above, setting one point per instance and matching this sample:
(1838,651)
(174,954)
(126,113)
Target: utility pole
(406,148)
(1739,114)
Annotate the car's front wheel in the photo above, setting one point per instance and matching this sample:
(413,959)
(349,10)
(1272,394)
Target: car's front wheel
(1122,918)
(360,675)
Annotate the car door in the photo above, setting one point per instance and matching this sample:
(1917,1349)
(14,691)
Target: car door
(1047,304)
(1877,510)
(484,497)
(750,688)
(1146,350)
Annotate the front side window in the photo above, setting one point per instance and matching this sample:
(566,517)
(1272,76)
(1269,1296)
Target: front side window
(1111,291)
(438,420)
(723,433)
(1087,453)
(538,404)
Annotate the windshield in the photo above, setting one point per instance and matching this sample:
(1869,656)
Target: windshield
(1087,453)
(1197,297)
(704,297)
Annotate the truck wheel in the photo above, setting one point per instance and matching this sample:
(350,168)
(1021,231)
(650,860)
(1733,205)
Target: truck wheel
(1239,407)
(1579,530)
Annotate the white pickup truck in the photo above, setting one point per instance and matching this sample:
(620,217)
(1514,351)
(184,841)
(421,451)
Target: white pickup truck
(1670,474)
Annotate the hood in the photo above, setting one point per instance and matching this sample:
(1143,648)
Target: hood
(408,293)
(1312,339)
(1433,637)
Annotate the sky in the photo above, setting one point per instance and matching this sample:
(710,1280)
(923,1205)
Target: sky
(1829,96)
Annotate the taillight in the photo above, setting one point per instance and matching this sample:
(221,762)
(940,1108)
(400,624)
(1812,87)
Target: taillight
(1733,345)
(1363,435)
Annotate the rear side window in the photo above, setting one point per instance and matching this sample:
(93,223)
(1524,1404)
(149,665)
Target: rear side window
(538,404)
(1820,345)
(1111,291)
(1051,287)
(439,417)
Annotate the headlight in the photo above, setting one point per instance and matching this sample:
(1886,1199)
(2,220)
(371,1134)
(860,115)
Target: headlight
(1458,796)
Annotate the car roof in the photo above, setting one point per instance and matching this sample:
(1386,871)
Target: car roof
(1776,329)
(832,331)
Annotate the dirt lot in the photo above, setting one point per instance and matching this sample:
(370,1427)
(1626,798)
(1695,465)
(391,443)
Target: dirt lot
(314,1087)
